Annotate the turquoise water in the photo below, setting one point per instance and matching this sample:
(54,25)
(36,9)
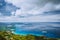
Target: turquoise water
(49,29)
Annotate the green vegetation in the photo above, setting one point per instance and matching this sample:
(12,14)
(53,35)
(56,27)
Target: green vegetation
(11,36)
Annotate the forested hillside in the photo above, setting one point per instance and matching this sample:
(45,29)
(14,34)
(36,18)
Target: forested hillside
(10,36)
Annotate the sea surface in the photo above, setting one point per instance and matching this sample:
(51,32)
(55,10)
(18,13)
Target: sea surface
(48,29)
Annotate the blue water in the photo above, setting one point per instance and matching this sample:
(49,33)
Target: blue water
(48,29)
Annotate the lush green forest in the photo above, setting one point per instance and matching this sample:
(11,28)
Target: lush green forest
(10,36)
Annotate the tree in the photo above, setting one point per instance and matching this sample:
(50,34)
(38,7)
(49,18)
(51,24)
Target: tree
(2,38)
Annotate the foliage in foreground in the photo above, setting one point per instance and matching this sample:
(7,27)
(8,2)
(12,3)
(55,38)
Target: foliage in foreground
(11,36)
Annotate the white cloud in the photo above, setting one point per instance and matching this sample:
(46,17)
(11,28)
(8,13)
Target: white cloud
(33,7)
(37,10)
(58,7)
(31,19)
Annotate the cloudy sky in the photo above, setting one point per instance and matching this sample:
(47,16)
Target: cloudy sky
(31,11)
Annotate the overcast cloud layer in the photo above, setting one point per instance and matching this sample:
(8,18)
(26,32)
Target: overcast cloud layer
(34,11)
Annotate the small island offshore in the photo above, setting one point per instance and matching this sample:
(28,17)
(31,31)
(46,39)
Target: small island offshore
(11,36)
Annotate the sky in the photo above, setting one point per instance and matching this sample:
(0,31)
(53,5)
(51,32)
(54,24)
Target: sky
(30,11)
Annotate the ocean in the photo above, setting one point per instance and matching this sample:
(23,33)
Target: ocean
(48,29)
